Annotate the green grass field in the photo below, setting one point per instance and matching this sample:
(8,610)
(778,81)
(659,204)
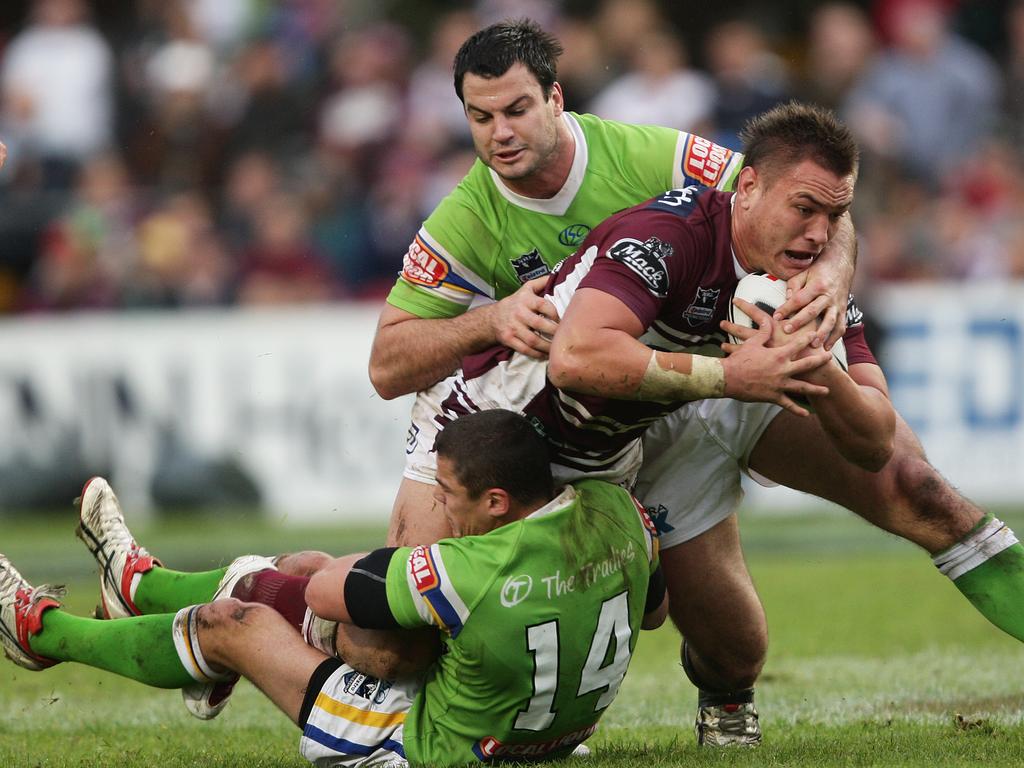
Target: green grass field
(875,660)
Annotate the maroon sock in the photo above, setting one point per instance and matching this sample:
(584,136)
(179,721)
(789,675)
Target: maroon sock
(285,594)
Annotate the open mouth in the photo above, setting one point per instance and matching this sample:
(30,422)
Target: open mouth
(509,155)
(801,257)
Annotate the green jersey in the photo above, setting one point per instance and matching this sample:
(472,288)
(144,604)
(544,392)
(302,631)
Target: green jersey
(540,619)
(485,241)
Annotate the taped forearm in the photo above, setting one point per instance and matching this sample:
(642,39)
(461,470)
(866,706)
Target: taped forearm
(705,379)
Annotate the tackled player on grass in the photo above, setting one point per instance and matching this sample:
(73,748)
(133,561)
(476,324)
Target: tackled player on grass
(529,669)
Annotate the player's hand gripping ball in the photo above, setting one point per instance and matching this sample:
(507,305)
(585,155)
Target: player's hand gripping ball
(768,293)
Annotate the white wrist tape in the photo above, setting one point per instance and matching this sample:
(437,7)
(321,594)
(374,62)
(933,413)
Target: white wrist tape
(705,379)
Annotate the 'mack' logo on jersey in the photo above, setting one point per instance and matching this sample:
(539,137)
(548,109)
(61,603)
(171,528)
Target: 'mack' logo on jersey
(421,567)
(705,161)
(573,235)
(529,265)
(424,266)
(702,309)
(647,259)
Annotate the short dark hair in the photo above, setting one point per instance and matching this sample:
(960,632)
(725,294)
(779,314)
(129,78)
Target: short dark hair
(790,133)
(492,51)
(498,449)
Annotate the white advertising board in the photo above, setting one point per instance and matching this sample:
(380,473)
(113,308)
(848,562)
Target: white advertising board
(282,393)
(284,396)
(953,355)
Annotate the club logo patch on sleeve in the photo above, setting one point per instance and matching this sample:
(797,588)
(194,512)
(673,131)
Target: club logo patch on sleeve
(647,259)
(702,308)
(424,266)
(705,161)
(422,569)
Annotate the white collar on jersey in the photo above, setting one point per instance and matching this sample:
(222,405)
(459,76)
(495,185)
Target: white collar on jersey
(561,501)
(740,271)
(559,204)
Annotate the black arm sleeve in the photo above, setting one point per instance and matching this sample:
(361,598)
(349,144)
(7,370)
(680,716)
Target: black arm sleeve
(366,595)
(655,590)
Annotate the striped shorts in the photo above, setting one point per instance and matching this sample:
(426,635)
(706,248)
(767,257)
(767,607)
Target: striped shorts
(354,719)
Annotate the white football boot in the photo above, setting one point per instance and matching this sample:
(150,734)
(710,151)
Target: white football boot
(728,725)
(122,561)
(21,615)
(207,700)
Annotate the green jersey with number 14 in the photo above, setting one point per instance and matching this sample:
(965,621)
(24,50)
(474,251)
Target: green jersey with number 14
(541,617)
(484,241)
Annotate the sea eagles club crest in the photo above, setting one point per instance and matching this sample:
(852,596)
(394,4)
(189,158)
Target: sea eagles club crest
(529,266)
(702,308)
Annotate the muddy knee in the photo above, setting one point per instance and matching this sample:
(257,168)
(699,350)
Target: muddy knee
(231,614)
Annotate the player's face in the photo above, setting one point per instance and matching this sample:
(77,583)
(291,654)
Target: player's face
(466,515)
(515,129)
(787,219)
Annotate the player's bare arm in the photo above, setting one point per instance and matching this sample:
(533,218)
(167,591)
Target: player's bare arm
(856,414)
(596,350)
(411,353)
(373,644)
(822,291)
(325,594)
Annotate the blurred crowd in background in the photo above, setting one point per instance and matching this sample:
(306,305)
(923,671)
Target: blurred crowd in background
(173,153)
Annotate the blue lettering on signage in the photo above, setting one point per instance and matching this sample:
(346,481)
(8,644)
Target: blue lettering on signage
(908,386)
(1005,337)
(981,403)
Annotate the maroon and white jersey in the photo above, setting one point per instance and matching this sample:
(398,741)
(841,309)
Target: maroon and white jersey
(670,260)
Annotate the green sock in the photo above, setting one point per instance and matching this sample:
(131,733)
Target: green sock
(162,590)
(140,647)
(996,589)
(987,566)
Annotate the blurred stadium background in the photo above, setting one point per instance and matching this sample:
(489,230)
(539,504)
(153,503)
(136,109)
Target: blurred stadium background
(206,202)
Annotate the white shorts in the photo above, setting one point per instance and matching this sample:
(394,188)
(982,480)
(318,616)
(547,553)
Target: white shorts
(420,458)
(693,459)
(357,720)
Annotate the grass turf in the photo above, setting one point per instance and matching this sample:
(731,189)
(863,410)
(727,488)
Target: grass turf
(875,660)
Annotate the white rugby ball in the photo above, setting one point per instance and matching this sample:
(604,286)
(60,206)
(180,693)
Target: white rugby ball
(768,293)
